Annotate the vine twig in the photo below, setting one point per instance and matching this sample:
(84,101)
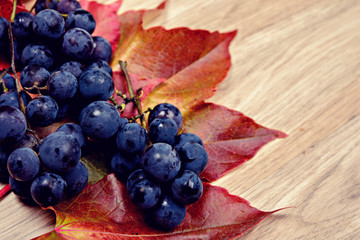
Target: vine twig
(123,65)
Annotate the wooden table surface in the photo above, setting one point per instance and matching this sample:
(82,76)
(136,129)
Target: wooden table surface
(296,68)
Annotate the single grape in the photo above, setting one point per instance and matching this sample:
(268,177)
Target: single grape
(62,86)
(187,188)
(10,98)
(49,24)
(163,130)
(100,120)
(194,157)
(64,110)
(13,124)
(166,110)
(4,38)
(102,50)
(183,138)
(23,164)
(103,65)
(75,130)
(67,6)
(77,44)
(80,18)
(145,193)
(20,188)
(168,214)
(19,45)
(161,162)
(9,82)
(42,111)
(123,164)
(134,177)
(45,4)
(34,75)
(132,138)
(48,189)
(60,152)
(96,84)
(22,25)
(37,55)
(74,67)
(28,141)
(76,179)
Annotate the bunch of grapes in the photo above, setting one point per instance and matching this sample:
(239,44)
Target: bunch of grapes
(64,70)
(161,177)
(65,74)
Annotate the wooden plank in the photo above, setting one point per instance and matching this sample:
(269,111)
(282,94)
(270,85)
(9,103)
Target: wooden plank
(296,68)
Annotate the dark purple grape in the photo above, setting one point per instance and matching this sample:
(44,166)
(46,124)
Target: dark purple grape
(76,179)
(194,157)
(48,189)
(64,110)
(123,164)
(161,162)
(132,138)
(9,82)
(4,38)
(12,124)
(20,188)
(96,84)
(34,75)
(67,6)
(168,214)
(62,86)
(134,177)
(166,110)
(102,50)
(75,68)
(80,18)
(100,120)
(145,193)
(37,55)
(42,111)
(187,188)
(49,24)
(163,130)
(77,44)
(103,65)
(23,164)
(60,152)
(75,130)
(45,4)
(22,25)
(28,141)
(183,138)
(10,98)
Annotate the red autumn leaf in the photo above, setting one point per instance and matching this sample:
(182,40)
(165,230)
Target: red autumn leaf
(193,62)
(230,138)
(104,211)
(6,7)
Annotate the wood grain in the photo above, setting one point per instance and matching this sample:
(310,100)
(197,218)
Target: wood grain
(296,68)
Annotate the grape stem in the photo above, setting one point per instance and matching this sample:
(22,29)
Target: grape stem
(2,81)
(5,190)
(135,98)
(12,65)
